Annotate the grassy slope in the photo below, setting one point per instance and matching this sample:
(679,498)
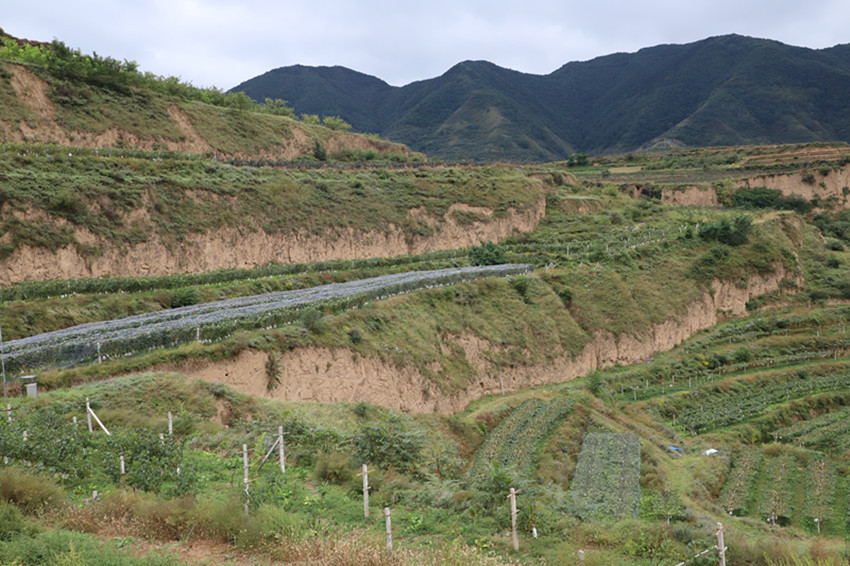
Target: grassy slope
(127,197)
(531,320)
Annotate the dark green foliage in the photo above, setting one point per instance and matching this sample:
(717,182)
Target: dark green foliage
(12,521)
(388,445)
(319,151)
(186,297)
(488,253)
(273,371)
(762,197)
(730,232)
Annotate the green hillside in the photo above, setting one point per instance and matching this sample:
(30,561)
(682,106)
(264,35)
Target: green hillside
(644,345)
(726,90)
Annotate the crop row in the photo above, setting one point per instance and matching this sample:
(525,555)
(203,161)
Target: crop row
(828,432)
(737,490)
(777,502)
(515,440)
(216,320)
(644,382)
(704,409)
(607,477)
(834,319)
(820,478)
(46,440)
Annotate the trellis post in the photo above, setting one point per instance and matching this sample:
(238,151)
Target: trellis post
(721,547)
(389,530)
(365,474)
(514,536)
(245,480)
(282,453)
(88,414)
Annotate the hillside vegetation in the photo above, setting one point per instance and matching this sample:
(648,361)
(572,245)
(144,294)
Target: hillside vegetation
(663,347)
(54,94)
(726,90)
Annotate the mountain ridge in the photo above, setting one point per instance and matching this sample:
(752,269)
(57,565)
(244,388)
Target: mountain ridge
(723,90)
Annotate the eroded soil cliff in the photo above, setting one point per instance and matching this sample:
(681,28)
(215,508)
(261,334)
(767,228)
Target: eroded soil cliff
(341,375)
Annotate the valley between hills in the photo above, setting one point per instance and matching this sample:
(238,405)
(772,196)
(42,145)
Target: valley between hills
(640,345)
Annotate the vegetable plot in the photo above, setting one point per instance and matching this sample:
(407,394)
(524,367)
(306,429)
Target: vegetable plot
(217,320)
(607,478)
(514,442)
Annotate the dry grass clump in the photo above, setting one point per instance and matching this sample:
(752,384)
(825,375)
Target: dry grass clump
(31,492)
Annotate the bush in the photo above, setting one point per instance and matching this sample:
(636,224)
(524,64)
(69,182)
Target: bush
(333,468)
(388,445)
(487,253)
(30,492)
(11,521)
(185,297)
(730,232)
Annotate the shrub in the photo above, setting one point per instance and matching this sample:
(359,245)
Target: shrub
(731,232)
(186,297)
(333,468)
(11,521)
(30,492)
(488,253)
(388,444)
(273,371)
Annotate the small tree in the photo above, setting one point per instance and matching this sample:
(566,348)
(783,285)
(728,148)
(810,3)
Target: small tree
(277,107)
(336,123)
(488,253)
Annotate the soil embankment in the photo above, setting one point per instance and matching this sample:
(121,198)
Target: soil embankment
(321,374)
(225,248)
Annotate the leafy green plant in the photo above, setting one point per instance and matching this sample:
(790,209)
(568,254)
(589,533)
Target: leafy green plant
(488,253)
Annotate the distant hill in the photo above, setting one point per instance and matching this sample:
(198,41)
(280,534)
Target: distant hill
(726,90)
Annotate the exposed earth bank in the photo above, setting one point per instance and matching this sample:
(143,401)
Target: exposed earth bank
(341,375)
(227,248)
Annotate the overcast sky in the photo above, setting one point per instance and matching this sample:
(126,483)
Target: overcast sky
(222,43)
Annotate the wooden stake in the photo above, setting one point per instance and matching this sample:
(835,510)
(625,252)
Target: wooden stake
(245,466)
(389,530)
(514,536)
(282,453)
(365,474)
(92,413)
(122,465)
(721,547)
(170,424)
(88,415)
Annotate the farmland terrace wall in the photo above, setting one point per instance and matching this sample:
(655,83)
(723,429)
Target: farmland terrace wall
(812,184)
(341,375)
(834,186)
(229,248)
